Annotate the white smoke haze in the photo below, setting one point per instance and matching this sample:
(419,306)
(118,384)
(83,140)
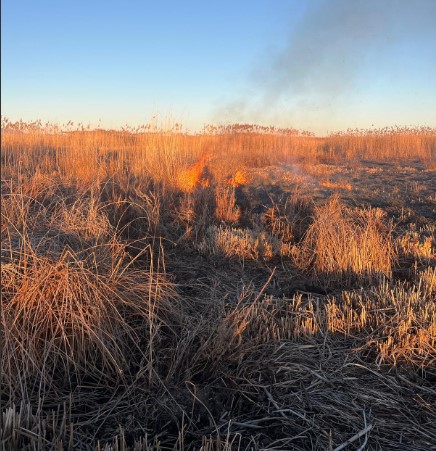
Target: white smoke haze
(323,60)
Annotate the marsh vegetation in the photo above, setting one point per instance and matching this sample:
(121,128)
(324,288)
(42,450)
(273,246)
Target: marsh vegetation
(243,288)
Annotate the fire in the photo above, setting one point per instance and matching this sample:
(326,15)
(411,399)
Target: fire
(195,175)
(198,175)
(240,178)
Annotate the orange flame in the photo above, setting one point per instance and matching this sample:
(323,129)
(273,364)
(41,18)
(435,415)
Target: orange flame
(240,178)
(195,175)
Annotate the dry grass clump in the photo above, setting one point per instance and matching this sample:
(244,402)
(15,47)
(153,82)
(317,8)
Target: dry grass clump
(280,225)
(346,245)
(403,322)
(85,217)
(226,209)
(74,305)
(427,278)
(417,245)
(191,214)
(19,211)
(55,211)
(53,205)
(397,322)
(78,315)
(245,244)
(290,217)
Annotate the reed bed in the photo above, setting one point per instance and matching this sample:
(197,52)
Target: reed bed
(162,150)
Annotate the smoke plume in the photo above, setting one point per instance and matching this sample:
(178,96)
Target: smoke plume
(325,53)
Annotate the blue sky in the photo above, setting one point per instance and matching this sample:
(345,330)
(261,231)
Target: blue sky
(320,65)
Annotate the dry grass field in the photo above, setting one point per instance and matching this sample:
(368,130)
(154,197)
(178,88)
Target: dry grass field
(244,288)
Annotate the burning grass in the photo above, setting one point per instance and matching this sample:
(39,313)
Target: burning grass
(149,303)
(194,176)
